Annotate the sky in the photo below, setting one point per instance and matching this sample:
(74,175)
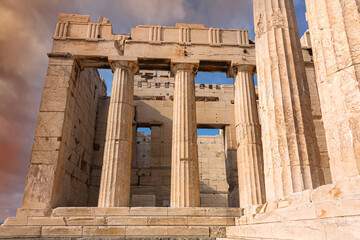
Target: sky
(26,28)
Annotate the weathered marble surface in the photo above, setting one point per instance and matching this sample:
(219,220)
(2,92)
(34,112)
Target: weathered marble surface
(335,38)
(291,153)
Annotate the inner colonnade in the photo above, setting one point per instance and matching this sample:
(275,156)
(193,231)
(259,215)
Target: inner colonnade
(185,191)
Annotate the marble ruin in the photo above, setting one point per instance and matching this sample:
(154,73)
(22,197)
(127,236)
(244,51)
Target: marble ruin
(285,164)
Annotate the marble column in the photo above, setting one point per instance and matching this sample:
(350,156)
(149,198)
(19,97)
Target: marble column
(335,38)
(291,154)
(116,170)
(248,137)
(185,189)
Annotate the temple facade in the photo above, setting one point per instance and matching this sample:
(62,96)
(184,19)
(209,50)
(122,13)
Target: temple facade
(284,165)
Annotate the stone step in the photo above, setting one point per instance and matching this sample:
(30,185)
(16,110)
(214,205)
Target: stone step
(251,238)
(121,221)
(112,231)
(146,211)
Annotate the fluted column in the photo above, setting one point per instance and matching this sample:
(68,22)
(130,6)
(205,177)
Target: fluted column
(116,170)
(291,155)
(248,135)
(185,190)
(335,38)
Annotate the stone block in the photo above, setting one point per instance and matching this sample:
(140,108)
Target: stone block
(188,231)
(50,124)
(16,221)
(294,230)
(19,231)
(343,228)
(57,82)
(345,188)
(148,211)
(53,100)
(337,208)
(44,157)
(194,211)
(302,212)
(38,195)
(266,217)
(298,198)
(61,232)
(46,144)
(111,211)
(217,232)
(324,192)
(104,231)
(46,221)
(71,211)
(146,231)
(58,69)
(85,221)
(167,221)
(211,221)
(223,212)
(127,221)
(33,212)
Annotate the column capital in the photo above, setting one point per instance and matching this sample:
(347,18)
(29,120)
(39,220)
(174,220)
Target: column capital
(124,62)
(184,64)
(235,68)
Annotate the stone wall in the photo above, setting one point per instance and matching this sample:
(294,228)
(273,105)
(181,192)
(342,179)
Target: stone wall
(62,152)
(79,147)
(213,185)
(98,153)
(150,186)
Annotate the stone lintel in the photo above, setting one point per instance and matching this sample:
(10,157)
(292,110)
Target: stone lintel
(60,54)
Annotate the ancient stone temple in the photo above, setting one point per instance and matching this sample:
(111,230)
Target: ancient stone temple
(286,161)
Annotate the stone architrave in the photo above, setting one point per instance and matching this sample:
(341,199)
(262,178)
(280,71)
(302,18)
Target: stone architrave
(116,170)
(335,36)
(291,152)
(185,189)
(248,135)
